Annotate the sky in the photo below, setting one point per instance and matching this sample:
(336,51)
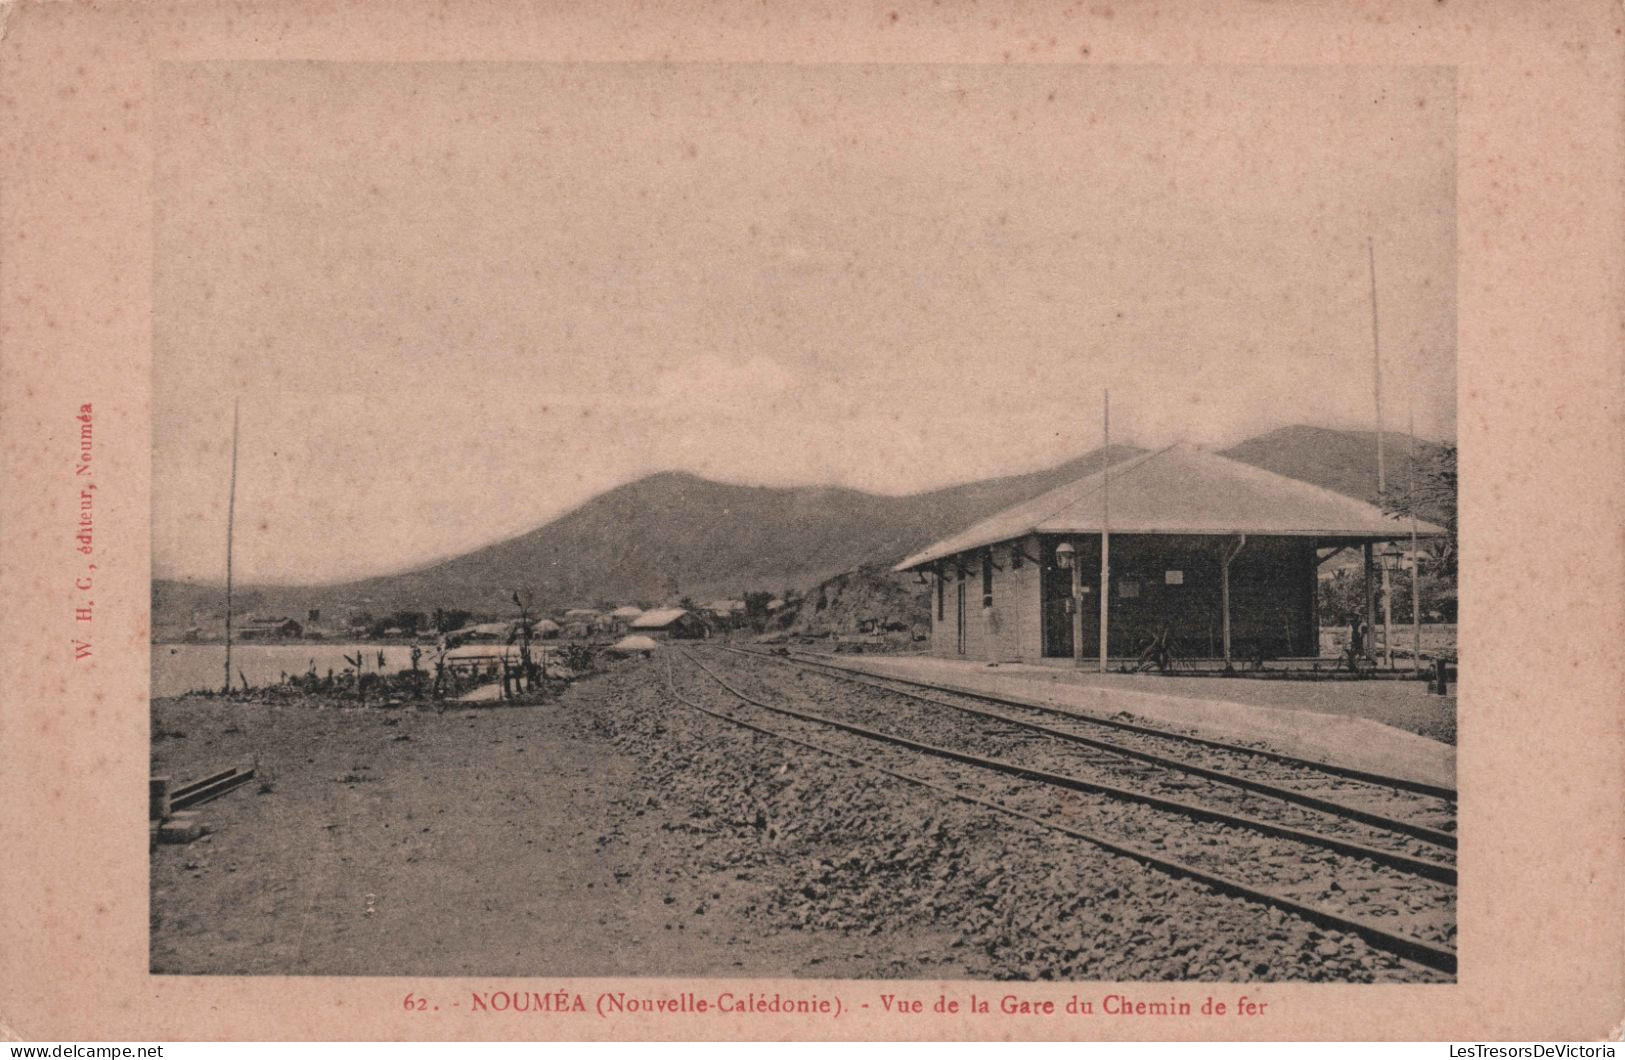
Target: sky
(454,301)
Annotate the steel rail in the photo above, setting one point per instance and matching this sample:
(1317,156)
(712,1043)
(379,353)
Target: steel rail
(1440,958)
(1329,806)
(865,677)
(1417,786)
(1217,776)
(1428,869)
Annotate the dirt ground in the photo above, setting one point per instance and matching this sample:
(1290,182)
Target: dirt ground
(614,832)
(489,841)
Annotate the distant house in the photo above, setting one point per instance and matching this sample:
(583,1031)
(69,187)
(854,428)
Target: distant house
(673,622)
(621,618)
(725,614)
(270,629)
(485,631)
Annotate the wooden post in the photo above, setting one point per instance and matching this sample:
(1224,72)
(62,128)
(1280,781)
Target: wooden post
(1105,522)
(1370,598)
(1077,608)
(157,798)
(1387,619)
(1224,591)
(1416,558)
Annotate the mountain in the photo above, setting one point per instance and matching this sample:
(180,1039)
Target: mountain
(674,534)
(1345,461)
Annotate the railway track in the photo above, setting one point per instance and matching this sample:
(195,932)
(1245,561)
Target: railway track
(1422,811)
(1197,791)
(1394,899)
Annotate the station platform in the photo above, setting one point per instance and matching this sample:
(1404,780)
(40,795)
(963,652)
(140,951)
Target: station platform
(1386,727)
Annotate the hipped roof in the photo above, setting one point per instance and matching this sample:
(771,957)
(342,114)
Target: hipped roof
(1183,490)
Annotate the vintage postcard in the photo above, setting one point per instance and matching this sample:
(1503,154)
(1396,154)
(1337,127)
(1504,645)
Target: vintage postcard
(707,522)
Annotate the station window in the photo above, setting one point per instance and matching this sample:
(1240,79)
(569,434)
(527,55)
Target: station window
(1173,577)
(987,578)
(941,609)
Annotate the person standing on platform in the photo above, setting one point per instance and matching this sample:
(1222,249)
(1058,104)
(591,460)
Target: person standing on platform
(1359,632)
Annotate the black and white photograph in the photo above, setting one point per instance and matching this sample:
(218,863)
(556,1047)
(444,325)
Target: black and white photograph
(805,522)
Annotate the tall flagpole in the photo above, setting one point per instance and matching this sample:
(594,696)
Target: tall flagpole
(231,519)
(1105,522)
(1382,467)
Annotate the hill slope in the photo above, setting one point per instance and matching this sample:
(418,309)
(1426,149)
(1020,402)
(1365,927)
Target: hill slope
(1345,461)
(675,534)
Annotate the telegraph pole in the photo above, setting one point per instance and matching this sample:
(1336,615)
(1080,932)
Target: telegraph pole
(1382,467)
(1105,521)
(231,519)
(1416,557)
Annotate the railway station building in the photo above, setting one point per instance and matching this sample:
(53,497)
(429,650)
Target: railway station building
(1219,557)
